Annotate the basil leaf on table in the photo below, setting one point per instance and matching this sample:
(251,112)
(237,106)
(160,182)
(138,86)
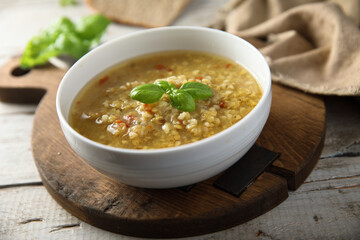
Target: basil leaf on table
(197,90)
(65,3)
(92,27)
(182,100)
(147,93)
(64,37)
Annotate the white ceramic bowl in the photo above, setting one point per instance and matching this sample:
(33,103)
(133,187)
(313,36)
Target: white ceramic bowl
(176,166)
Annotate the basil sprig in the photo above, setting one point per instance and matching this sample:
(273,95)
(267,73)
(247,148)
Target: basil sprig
(64,37)
(182,99)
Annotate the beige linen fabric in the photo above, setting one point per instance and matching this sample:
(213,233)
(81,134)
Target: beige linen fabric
(310,45)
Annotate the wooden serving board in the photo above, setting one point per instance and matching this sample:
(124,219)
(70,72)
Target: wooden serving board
(295,128)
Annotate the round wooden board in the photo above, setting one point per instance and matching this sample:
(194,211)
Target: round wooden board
(295,128)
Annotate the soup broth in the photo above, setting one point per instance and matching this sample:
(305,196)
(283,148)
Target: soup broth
(104,112)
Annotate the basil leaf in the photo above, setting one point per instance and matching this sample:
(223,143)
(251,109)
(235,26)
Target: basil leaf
(64,37)
(197,90)
(147,93)
(164,85)
(172,86)
(92,27)
(65,3)
(182,100)
(67,43)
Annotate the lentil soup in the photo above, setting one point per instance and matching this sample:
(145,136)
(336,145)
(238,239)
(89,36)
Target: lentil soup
(104,112)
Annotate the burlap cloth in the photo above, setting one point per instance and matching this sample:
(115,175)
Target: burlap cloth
(310,45)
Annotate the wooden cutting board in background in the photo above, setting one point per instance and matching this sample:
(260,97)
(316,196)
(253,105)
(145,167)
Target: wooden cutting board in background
(145,13)
(295,128)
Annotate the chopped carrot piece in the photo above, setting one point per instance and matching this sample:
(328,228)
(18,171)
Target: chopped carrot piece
(130,119)
(160,66)
(199,77)
(228,65)
(120,121)
(148,108)
(103,80)
(222,104)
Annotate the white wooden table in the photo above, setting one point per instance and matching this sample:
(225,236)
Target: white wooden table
(326,206)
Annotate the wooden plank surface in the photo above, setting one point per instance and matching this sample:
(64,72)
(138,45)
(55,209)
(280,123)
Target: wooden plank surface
(321,209)
(326,206)
(15,149)
(295,128)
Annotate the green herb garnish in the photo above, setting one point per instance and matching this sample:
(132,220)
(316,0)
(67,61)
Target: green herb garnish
(182,99)
(64,37)
(65,3)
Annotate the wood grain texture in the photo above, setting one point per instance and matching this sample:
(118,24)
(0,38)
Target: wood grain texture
(21,170)
(307,214)
(296,129)
(116,207)
(325,206)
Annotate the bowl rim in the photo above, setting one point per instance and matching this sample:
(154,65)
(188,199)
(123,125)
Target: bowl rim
(188,146)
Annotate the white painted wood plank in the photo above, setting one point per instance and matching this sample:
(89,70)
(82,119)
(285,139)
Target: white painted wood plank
(323,214)
(13,108)
(343,126)
(305,215)
(331,184)
(325,207)
(16,15)
(23,19)
(16,162)
(335,168)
